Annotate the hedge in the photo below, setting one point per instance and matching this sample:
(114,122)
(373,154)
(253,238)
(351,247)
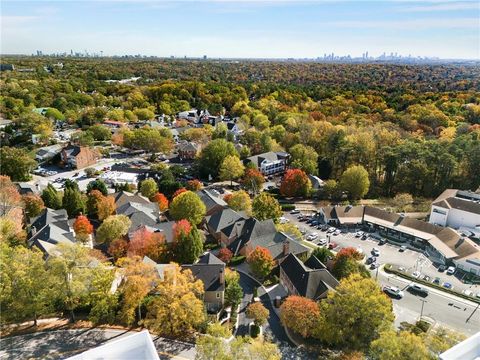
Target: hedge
(388,269)
(236,260)
(288,207)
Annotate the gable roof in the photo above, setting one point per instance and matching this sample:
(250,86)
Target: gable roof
(210,259)
(211,270)
(269,156)
(51,227)
(344,214)
(224,219)
(312,283)
(123,197)
(210,200)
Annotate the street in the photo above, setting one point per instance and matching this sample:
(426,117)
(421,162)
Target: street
(444,309)
(59,344)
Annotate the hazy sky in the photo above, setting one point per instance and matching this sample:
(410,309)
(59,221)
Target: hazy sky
(248,28)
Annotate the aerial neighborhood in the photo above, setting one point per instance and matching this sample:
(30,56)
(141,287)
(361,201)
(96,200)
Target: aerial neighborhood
(236,218)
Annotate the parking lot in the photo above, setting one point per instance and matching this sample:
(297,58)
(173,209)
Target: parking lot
(408,260)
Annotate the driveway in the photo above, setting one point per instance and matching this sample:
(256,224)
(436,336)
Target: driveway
(60,344)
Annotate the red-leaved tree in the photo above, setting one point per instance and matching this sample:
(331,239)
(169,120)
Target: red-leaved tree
(146,243)
(161,200)
(253,180)
(194,185)
(181,227)
(118,248)
(225,255)
(295,183)
(178,192)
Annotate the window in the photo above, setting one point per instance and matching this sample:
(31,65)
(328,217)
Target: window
(218,295)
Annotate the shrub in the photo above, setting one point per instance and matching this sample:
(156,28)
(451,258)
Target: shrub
(236,260)
(287,207)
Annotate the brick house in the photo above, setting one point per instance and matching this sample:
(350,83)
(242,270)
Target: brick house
(78,157)
(188,150)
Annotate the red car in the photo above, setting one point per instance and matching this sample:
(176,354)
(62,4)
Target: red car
(332,245)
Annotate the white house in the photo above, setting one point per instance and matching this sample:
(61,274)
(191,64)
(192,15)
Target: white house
(458,209)
(269,163)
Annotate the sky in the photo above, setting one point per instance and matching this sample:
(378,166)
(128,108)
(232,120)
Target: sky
(243,28)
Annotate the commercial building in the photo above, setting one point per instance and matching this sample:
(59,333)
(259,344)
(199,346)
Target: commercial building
(269,163)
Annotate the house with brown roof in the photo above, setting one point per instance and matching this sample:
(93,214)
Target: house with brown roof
(348,216)
(188,150)
(78,157)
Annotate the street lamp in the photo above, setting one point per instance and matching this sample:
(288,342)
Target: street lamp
(421,311)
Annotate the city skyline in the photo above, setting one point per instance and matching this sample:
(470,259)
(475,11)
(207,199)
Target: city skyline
(244,29)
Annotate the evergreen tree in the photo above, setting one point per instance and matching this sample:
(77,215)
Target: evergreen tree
(74,202)
(51,197)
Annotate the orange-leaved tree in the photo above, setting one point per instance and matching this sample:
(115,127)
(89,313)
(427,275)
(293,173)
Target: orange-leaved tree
(178,192)
(161,200)
(300,314)
(225,255)
(295,183)
(261,262)
(82,227)
(194,185)
(146,243)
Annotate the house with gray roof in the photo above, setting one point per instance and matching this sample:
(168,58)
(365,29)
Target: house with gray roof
(212,202)
(225,225)
(310,279)
(269,163)
(50,228)
(48,152)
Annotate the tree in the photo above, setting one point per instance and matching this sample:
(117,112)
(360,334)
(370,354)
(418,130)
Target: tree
(304,158)
(225,255)
(145,243)
(441,339)
(188,242)
(148,188)
(161,200)
(118,248)
(188,206)
(94,197)
(300,314)
(355,181)
(178,308)
(73,201)
(139,279)
(113,227)
(346,263)
(51,197)
(217,330)
(105,207)
(16,163)
(265,207)
(261,262)
(178,192)
(400,201)
(323,254)
(25,284)
(9,195)
(54,114)
(253,181)
(33,204)
(213,155)
(99,185)
(290,229)
(100,132)
(355,314)
(258,313)
(194,185)
(295,183)
(11,233)
(331,189)
(103,303)
(83,228)
(240,201)
(403,345)
(231,168)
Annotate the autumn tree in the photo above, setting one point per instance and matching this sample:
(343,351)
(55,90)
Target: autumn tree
(146,243)
(258,313)
(304,158)
(265,206)
(148,188)
(118,248)
(323,254)
(16,163)
(300,314)
(178,192)
(33,205)
(103,302)
(231,168)
(139,280)
(94,197)
(346,263)
(355,181)
(194,185)
(225,255)
(161,200)
(9,195)
(188,206)
(441,339)
(253,181)
(355,314)
(188,242)
(403,345)
(290,229)
(295,183)
(113,227)
(83,228)
(105,207)
(261,262)
(233,290)
(178,308)
(402,200)
(240,201)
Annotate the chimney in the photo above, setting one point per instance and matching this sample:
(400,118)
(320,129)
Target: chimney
(286,248)
(221,276)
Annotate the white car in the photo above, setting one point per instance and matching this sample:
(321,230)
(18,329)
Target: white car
(416,274)
(451,270)
(283,220)
(393,291)
(312,236)
(331,230)
(358,234)
(322,241)
(337,232)
(375,252)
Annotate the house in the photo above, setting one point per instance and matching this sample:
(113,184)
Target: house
(225,225)
(7,67)
(114,125)
(123,197)
(4,123)
(317,183)
(194,116)
(255,233)
(234,129)
(188,150)
(211,270)
(458,209)
(27,189)
(212,202)
(50,228)
(137,345)
(78,157)
(348,216)
(468,349)
(310,279)
(269,163)
(442,245)
(140,214)
(47,153)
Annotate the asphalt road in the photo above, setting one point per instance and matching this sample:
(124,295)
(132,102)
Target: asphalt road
(441,307)
(60,344)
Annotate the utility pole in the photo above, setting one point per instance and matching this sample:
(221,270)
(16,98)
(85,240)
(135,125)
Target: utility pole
(421,311)
(376,275)
(473,312)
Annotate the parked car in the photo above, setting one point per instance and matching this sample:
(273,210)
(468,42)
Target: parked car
(302,218)
(325,227)
(436,281)
(382,241)
(295,211)
(416,274)
(332,245)
(426,278)
(331,230)
(401,268)
(303,231)
(469,292)
(375,252)
(451,270)
(371,259)
(312,236)
(442,268)
(337,232)
(364,237)
(418,290)
(447,285)
(374,265)
(402,248)
(358,233)
(283,220)
(393,292)
(322,241)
